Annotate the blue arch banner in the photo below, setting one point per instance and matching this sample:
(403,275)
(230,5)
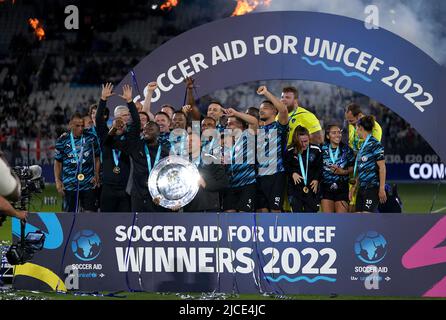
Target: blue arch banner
(282,253)
(300,46)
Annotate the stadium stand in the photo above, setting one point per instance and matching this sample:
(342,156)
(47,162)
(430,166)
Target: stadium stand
(44,82)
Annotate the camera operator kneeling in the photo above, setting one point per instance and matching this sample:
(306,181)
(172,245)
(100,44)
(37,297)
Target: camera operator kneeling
(9,191)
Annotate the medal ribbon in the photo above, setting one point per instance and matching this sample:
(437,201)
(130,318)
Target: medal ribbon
(116,155)
(336,155)
(182,139)
(149,160)
(360,154)
(76,156)
(301,164)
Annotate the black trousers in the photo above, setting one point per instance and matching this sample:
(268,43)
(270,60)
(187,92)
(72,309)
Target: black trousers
(144,204)
(87,201)
(114,199)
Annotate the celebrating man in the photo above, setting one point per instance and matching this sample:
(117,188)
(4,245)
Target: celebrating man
(145,154)
(116,164)
(163,121)
(272,137)
(240,196)
(299,116)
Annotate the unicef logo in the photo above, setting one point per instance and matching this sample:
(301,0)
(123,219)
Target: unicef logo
(86,245)
(371,247)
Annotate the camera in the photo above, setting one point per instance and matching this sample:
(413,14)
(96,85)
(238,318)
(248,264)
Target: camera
(24,250)
(31,182)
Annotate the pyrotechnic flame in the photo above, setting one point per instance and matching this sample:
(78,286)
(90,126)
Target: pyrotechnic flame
(169,4)
(38,28)
(246,6)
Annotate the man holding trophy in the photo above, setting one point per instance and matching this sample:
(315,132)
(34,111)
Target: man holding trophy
(145,153)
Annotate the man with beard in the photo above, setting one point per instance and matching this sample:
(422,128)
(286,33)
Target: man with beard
(353,114)
(299,116)
(272,138)
(116,164)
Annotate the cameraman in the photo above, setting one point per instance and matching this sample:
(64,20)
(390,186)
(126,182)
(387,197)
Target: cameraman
(9,191)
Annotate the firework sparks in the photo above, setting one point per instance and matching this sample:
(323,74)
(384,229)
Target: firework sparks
(38,28)
(169,4)
(246,6)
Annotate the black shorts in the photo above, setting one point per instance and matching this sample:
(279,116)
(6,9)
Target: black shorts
(304,202)
(367,200)
(270,191)
(240,198)
(337,192)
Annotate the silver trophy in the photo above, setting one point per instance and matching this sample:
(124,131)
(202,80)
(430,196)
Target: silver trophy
(174,181)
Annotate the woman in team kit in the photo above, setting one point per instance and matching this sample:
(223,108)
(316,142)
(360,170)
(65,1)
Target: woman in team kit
(369,171)
(338,160)
(303,163)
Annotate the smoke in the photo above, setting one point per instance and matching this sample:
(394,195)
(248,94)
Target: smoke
(420,22)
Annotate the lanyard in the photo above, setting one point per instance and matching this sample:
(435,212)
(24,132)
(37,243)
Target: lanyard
(302,170)
(116,155)
(360,154)
(334,157)
(232,150)
(149,160)
(76,156)
(211,146)
(182,140)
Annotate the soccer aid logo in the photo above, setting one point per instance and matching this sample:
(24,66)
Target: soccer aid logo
(86,245)
(371,247)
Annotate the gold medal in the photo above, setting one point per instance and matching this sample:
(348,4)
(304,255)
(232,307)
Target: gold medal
(80,177)
(306,190)
(116,170)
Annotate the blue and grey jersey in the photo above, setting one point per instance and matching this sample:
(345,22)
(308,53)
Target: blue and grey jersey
(70,169)
(163,139)
(271,148)
(242,171)
(221,128)
(212,147)
(367,167)
(178,144)
(344,160)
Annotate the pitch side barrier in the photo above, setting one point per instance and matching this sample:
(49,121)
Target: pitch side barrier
(286,253)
